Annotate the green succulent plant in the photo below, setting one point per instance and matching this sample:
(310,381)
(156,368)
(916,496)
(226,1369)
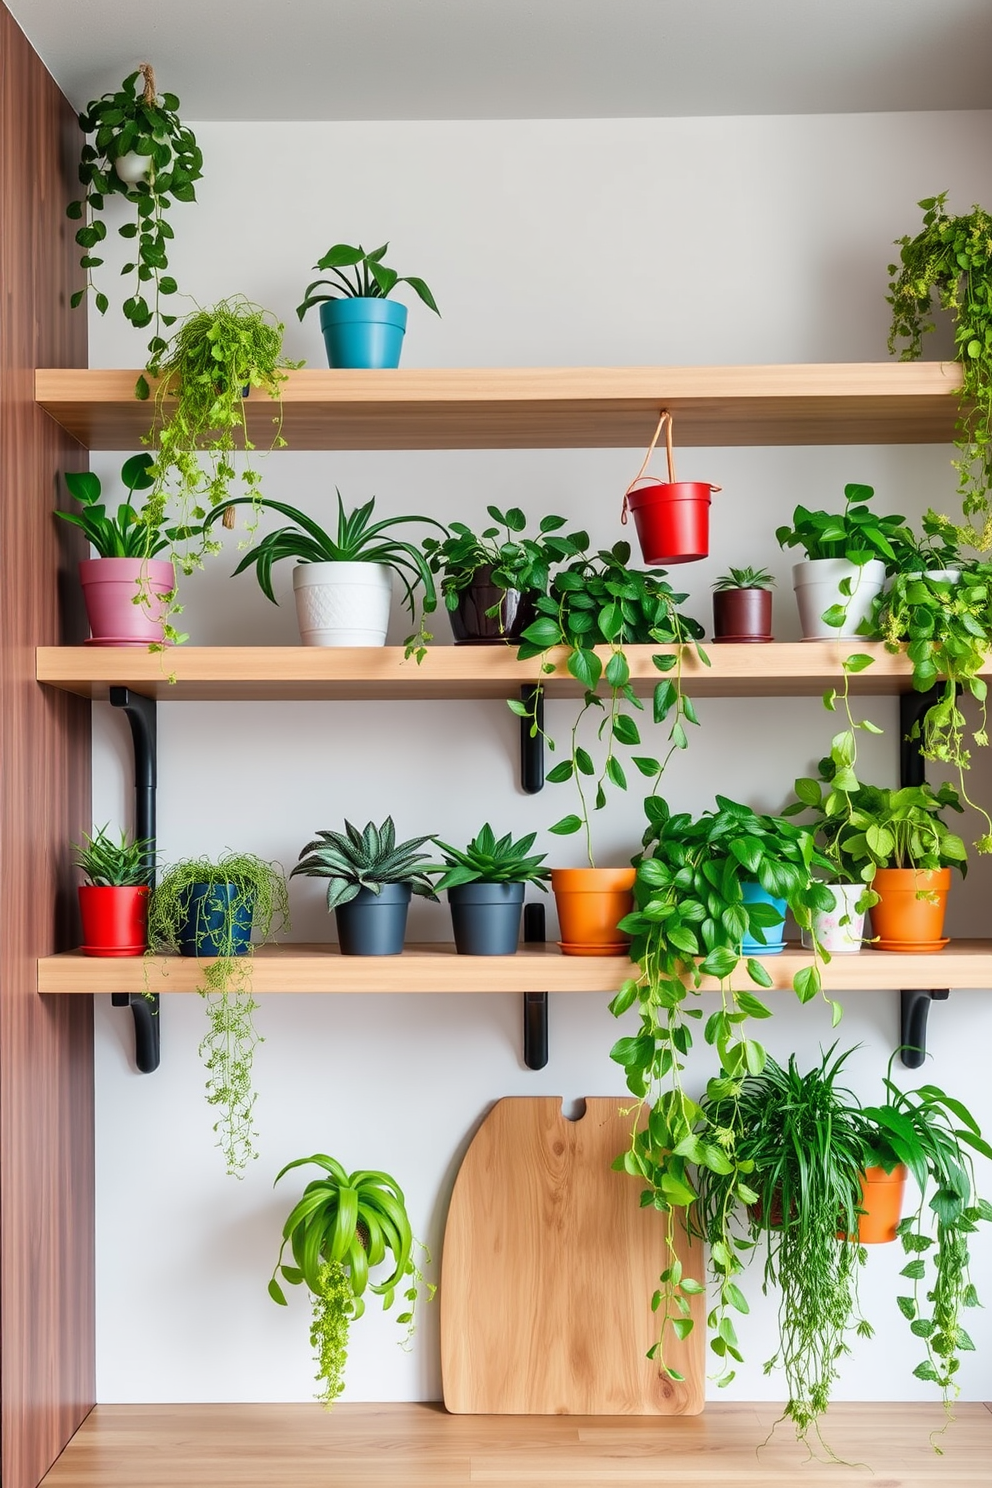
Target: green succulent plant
(110,864)
(745,578)
(340,1230)
(486,860)
(371,280)
(368,859)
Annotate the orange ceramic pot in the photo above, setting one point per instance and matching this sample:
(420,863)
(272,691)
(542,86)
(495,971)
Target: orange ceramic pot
(910,913)
(881,1200)
(591,903)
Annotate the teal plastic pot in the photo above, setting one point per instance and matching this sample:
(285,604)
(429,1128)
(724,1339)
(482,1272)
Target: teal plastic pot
(363,332)
(216,923)
(774,941)
(374,924)
(485,918)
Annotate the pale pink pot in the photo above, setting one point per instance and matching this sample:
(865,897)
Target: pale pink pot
(110,587)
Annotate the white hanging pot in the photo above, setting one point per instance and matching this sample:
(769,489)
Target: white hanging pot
(817,584)
(133,167)
(840,930)
(343,604)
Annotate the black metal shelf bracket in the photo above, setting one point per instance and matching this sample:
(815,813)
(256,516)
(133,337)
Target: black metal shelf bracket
(141,714)
(532,748)
(914,1005)
(535,1003)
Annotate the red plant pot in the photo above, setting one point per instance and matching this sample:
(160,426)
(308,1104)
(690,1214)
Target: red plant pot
(110,588)
(115,920)
(672,519)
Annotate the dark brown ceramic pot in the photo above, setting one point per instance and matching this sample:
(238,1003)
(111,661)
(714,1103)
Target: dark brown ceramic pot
(471,626)
(742,615)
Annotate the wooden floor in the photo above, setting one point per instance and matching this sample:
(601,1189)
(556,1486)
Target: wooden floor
(421,1446)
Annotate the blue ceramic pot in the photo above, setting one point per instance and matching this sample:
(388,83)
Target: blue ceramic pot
(774,934)
(216,923)
(363,332)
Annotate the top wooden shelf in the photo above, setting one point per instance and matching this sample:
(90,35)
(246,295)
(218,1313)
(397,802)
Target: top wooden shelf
(553,407)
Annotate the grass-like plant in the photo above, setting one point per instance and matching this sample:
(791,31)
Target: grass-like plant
(367,859)
(340,1230)
(227,1050)
(370,278)
(489,860)
(110,864)
(744,578)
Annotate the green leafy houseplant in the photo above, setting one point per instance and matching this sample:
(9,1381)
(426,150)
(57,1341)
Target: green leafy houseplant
(597,600)
(857,533)
(258,896)
(688,904)
(110,864)
(934,1135)
(142,151)
(800,1144)
(951,258)
(517,562)
(340,1230)
(491,861)
(357,539)
(355,860)
(129,534)
(371,278)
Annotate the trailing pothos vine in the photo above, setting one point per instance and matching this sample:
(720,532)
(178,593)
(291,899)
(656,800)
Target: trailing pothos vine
(689,903)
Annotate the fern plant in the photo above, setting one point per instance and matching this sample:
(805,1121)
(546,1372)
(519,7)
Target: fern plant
(355,860)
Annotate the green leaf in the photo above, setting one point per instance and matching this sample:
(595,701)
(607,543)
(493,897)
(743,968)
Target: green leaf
(907,1307)
(567,826)
(806,983)
(758,974)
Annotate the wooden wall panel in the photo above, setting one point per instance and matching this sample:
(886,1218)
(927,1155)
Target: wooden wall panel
(46,1045)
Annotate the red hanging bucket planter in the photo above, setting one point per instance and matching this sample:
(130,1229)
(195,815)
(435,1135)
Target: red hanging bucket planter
(671,518)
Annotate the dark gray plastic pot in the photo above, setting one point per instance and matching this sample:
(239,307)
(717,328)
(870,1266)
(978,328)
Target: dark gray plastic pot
(374,924)
(486,918)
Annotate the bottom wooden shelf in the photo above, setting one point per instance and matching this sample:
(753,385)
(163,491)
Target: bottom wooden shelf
(435,967)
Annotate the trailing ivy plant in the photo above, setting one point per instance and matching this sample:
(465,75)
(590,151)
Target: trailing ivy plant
(227,1049)
(689,904)
(142,151)
(597,600)
(950,259)
(517,562)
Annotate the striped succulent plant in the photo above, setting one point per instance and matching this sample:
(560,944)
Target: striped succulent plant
(356,860)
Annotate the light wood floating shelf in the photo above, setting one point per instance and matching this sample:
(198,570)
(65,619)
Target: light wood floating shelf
(435,967)
(552,407)
(302,673)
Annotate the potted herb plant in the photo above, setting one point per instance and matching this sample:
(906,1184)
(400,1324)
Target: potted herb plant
(371,878)
(689,921)
(742,606)
(113,903)
(489,581)
(951,259)
(343,584)
(361,325)
(485,883)
(128,590)
(848,555)
(141,151)
(207,908)
(342,1228)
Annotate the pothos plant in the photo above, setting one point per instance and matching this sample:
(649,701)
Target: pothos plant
(950,259)
(515,561)
(689,904)
(141,151)
(597,600)
(243,891)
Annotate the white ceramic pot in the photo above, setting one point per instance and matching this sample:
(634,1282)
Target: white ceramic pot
(342,604)
(817,584)
(840,939)
(132,167)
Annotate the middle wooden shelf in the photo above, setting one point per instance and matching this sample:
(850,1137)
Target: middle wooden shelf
(435,967)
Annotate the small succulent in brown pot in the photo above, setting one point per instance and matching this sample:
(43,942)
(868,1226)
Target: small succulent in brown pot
(742,606)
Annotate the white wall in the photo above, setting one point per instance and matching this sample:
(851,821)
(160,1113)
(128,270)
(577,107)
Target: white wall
(572,243)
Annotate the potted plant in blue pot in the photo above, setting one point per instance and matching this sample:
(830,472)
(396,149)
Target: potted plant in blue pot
(362,327)
(371,878)
(485,883)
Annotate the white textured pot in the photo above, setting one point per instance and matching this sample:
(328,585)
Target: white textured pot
(838,939)
(342,604)
(817,584)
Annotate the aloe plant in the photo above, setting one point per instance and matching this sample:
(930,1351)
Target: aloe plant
(356,860)
(488,860)
(109,864)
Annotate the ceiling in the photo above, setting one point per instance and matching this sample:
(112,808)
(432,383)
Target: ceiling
(525,59)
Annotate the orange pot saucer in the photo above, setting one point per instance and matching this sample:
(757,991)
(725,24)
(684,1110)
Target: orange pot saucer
(617,948)
(908,947)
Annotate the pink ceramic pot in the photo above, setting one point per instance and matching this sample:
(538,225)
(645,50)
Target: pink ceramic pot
(110,587)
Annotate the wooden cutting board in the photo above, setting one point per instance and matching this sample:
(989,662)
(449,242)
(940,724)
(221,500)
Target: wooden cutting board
(548,1271)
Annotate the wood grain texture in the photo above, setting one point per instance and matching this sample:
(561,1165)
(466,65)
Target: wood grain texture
(435,967)
(46,1065)
(356,673)
(548,1272)
(419,1446)
(554,407)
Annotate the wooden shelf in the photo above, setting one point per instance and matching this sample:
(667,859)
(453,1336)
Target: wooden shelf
(552,407)
(435,967)
(302,673)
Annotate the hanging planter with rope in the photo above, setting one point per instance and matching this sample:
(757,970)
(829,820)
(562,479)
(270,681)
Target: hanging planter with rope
(671,518)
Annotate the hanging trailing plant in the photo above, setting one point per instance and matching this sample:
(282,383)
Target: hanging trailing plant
(142,151)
